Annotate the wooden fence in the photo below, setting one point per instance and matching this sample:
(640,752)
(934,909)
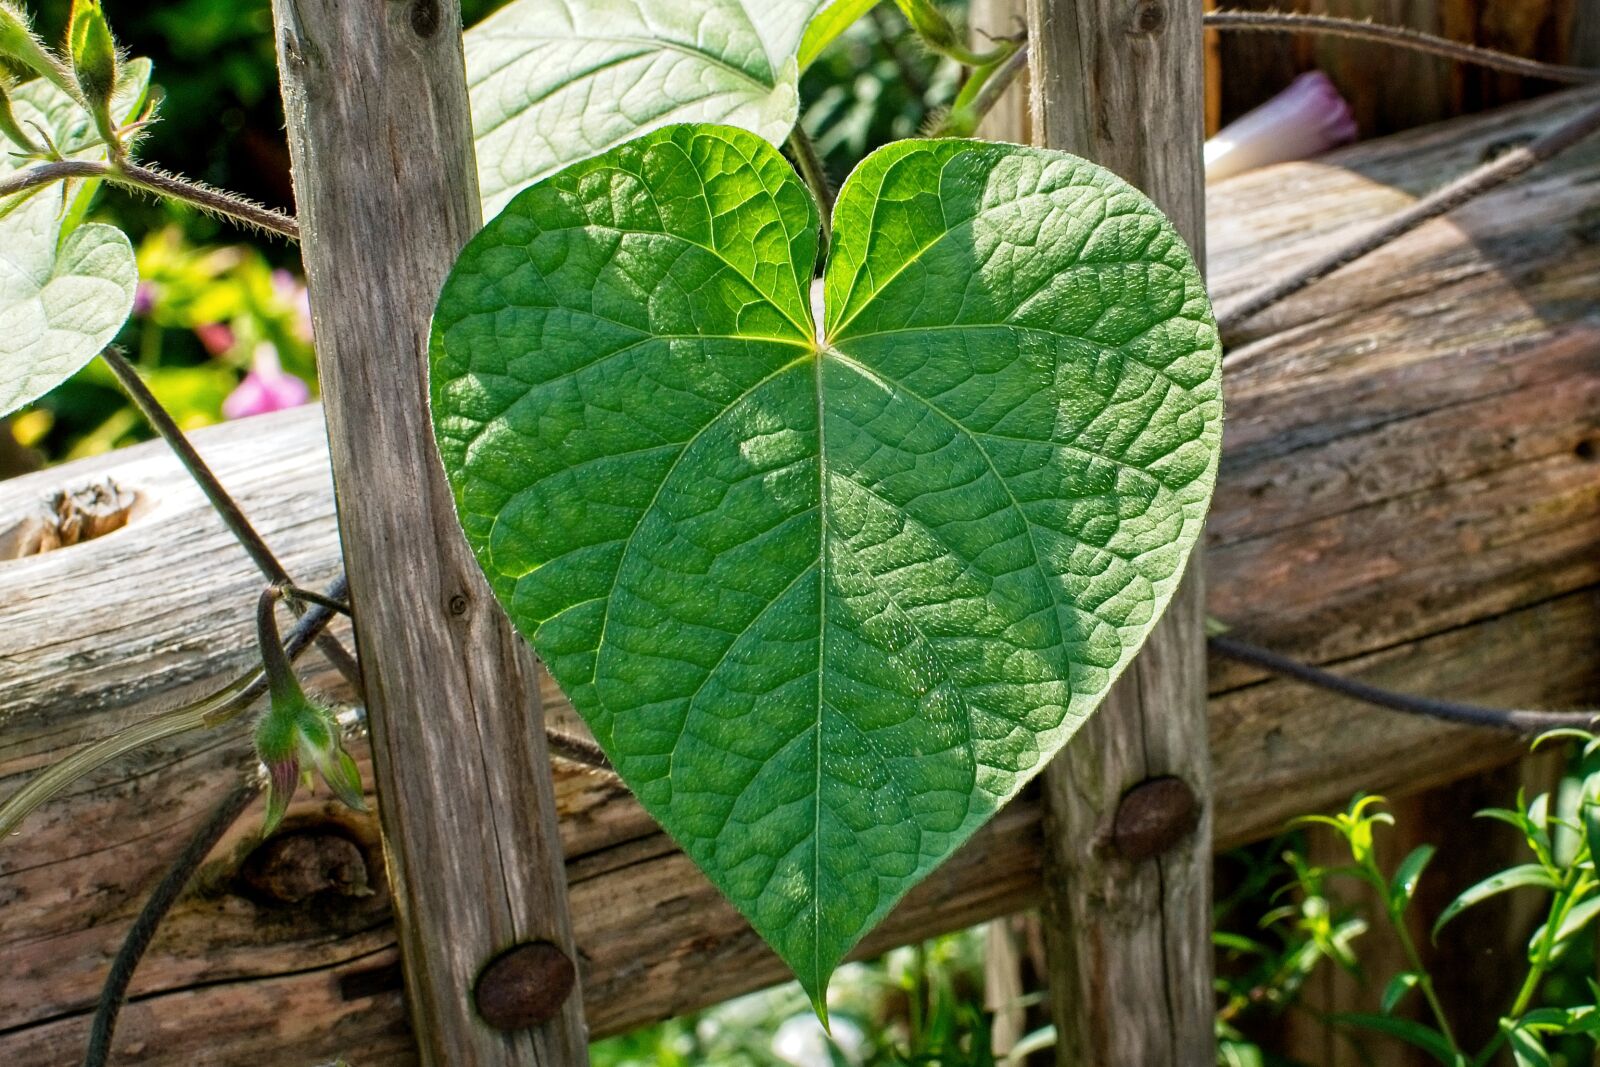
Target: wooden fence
(1410,492)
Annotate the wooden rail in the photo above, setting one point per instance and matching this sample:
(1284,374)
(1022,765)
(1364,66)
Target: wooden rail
(1411,491)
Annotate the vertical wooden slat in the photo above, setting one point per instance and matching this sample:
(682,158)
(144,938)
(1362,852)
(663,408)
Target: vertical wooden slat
(1128,925)
(376,103)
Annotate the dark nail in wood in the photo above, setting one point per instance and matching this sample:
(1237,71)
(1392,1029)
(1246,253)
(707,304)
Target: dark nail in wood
(1153,817)
(524,986)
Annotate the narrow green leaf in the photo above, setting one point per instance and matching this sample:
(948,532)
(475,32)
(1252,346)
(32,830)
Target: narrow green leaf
(557,81)
(830,22)
(1398,987)
(1414,1034)
(1525,875)
(1526,1049)
(1403,886)
(828,602)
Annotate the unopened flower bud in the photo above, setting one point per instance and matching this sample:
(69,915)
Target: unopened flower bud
(94,65)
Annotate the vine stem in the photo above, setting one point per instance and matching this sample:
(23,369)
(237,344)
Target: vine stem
(232,515)
(815,176)
(115,991)
(1515,720)
(1398,36)
(1513,164)
(148,179)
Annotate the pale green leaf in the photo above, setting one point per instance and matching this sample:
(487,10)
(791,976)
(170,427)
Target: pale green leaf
(557,81)
(828,603)
(65,289)
(1398,987)
(830,22)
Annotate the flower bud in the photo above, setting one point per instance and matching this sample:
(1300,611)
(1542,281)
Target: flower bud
(94,64)
(1306,119)
(296,734)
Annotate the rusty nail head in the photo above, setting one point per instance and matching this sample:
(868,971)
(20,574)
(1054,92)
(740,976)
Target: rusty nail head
(1154,816)
(524,986)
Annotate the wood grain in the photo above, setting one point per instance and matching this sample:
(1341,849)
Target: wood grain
(385,182)
(1129,938)
(1410,494)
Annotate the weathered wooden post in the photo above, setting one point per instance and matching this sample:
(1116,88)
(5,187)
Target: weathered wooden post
(376,102)
(1128,812)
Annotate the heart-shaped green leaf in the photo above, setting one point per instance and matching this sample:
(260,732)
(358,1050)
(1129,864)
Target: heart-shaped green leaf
(828,602)
(556,81)
(65,289)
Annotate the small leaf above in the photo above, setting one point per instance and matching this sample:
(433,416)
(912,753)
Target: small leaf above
(556,81)
(828,600)
(63,295)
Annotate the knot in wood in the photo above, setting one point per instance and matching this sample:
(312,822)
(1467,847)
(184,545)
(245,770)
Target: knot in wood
(1154,816)
(1149,18)
(425,18)
(524,986)
(294,867)
(458,605)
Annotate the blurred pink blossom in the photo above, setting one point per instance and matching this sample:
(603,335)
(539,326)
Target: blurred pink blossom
(292,291)
(1306,119)
(216,336)
(266,388)
(144,298)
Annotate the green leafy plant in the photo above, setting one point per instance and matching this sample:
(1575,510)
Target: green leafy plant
(1561,830)
(828,595)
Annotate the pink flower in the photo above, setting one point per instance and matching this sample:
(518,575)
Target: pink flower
(1306,119)
(216,336)
(144,299)
(266,388)
(292,291)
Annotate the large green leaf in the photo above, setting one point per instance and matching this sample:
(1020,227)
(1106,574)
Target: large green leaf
(556,81)
(828,603)
(65,289)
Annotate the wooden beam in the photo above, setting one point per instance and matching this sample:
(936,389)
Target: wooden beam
(381,145)
(1127,918)
(1407,495)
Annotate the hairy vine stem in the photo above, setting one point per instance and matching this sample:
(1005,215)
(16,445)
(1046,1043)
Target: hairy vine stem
(1398,36)
(995,86)
(1514,720)
(1475,183)
(233,516)
(148,179)
(115,991)
(815,176)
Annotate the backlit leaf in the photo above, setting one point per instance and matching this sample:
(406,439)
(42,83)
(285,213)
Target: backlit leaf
(556,81)
(65,289)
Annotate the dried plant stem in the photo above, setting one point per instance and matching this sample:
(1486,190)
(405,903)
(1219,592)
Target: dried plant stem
(233,517)
(1514,720)
(1398,36)
(1513,164)
(147,179)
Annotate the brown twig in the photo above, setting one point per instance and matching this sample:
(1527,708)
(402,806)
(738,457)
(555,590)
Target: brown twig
(1514,720)
(1400,37)
(1513,164)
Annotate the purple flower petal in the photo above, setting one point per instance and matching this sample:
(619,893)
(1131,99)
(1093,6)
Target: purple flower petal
(1306,119)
